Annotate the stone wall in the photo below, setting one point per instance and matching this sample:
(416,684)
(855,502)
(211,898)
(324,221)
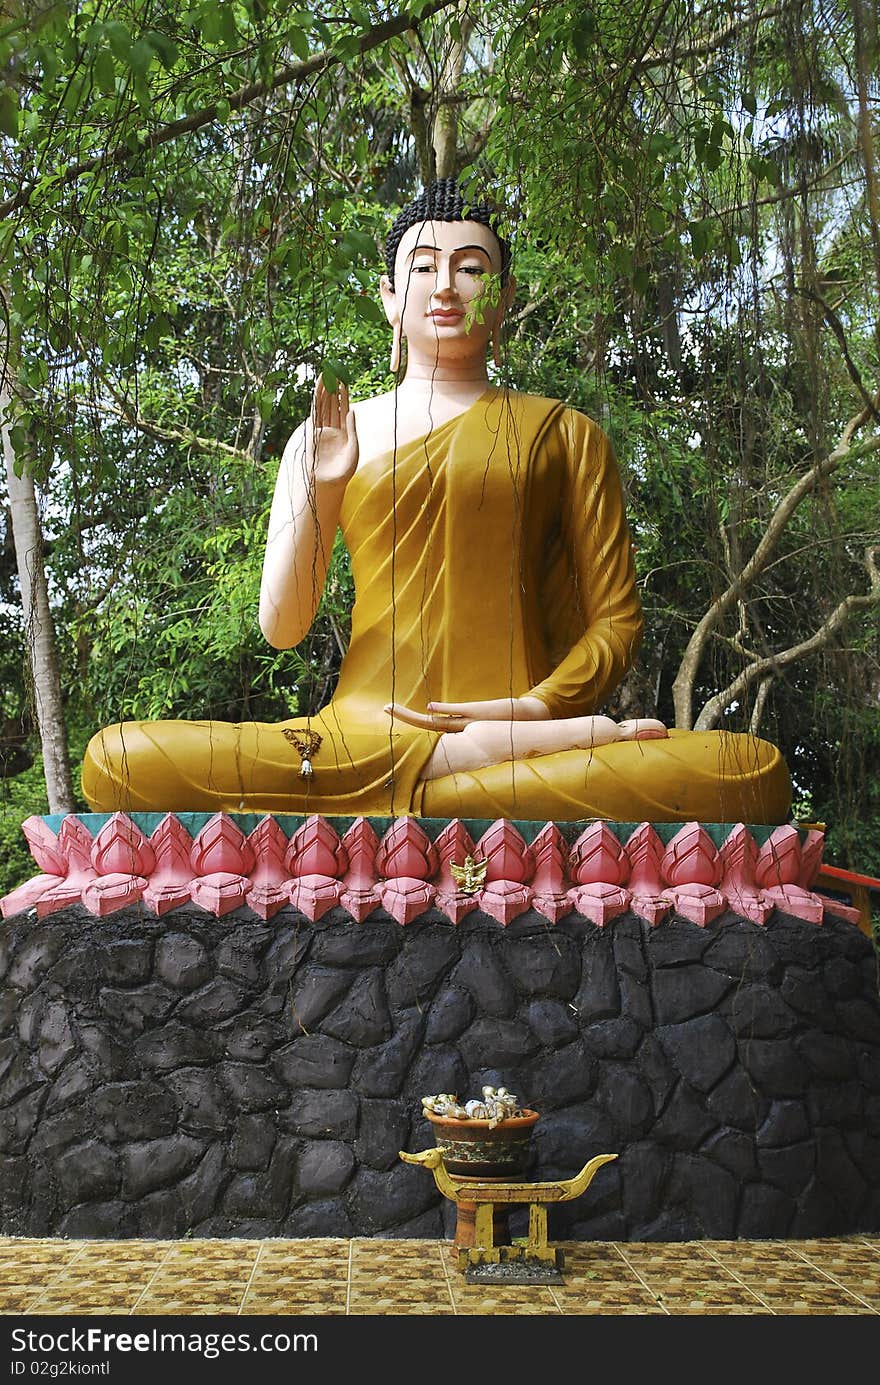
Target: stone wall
(242,1078)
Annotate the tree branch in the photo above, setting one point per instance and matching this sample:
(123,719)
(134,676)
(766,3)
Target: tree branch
(823,467)
(770,665)
(284,76)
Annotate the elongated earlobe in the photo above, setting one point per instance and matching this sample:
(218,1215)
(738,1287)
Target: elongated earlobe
(496,343)
(395,348)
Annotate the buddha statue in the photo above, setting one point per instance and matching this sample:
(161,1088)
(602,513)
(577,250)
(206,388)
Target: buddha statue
(495,609)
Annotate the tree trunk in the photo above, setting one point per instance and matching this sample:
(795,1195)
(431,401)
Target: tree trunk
(38,623)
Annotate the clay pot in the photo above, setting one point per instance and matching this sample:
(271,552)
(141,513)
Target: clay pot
(476,1151)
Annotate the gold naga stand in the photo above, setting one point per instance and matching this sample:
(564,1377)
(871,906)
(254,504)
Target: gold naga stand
(535,1262)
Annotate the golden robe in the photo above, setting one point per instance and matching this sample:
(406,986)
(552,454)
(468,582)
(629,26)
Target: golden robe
(490,558)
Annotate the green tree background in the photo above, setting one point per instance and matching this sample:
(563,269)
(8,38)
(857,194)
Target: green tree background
(194,202)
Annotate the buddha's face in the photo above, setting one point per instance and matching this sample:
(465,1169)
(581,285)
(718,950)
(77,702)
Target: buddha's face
(441,267)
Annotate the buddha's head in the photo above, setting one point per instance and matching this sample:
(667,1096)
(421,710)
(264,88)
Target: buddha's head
(441,252)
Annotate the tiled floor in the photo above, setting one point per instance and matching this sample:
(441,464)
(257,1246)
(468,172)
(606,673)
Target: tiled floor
(376,1277)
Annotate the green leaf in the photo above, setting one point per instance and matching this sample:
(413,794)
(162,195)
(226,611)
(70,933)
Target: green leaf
(368,309)
(105,71)
(299,42)
(119,39)
(8,112)
(330,379)
(750,102)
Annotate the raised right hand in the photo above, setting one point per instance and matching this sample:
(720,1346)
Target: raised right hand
(331,436)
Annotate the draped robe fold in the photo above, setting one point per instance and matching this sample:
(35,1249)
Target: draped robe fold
(491,558)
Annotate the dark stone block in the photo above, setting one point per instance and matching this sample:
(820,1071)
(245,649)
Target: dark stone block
(176,1045)
(216,1001)
(835,1103)
(30,1012)
(788,1166)
(684,1122)
(785,1123)
(253,1140)
(39,949)
(382,1071)
(250,1088)
(428,953)
(626,1098)
(363,1019)
(551,1021)
(72,1084)
(450,1014)
(672,1224)
(55,1133)
(383,1131)
(502,1043)
(635,1000)
(816,1214)
(644,1168)
(872,1115)
(864,1150)
(151,1164)
(201,1102)
(740,949)
(546,964)
(677,943)
(265,1194)
(628,942)
(681,993)
(613,1038)
(842,979)
(859,1017)
(22,1076)
(757,1011)
(370,944)
(252,1040)
(733,1150)
(701,1049)
(427,1225)
(88,1173)
(655,1067)
(707,1192)
(182,962)
(134,1110)
(99,1221)
(111,1058)
(838,1174)
(315,1060)
(135,1011)
(316,991)
(439,1068)
(598,996)
(322,1168)
(764,1212)
(10,1007)
(774,1067)
(736,1101)
(290,944)
(201,1190)
(557,1079)
(567,1139)
(483,975)
(803,990)
(828,1055)
(321,1112)
(238,955)
(160,1215)
(328,1217)
(379,1201)
(796,942)
(128,962)
(19,1122)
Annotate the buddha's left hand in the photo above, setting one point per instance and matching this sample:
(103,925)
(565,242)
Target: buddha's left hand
(455,716)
